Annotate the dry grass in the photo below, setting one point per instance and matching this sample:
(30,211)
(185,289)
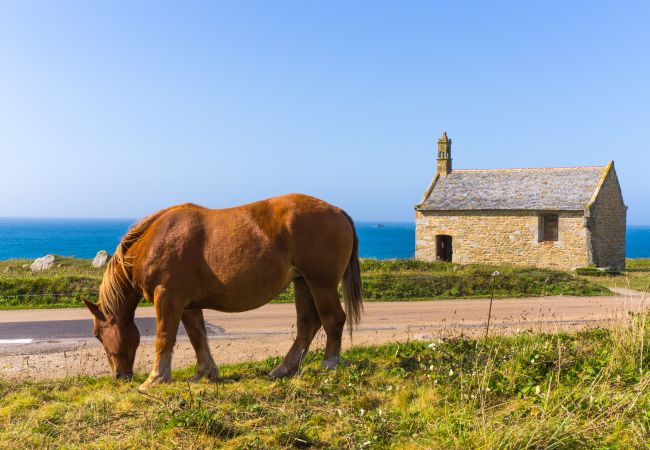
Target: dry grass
(581,390)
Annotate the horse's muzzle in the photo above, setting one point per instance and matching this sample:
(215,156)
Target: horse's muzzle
(123,376)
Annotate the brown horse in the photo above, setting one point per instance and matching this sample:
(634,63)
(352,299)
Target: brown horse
(187,258)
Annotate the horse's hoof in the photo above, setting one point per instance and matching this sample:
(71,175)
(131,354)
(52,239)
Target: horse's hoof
(153,381)
(211,374)
(330,364)
(281,372)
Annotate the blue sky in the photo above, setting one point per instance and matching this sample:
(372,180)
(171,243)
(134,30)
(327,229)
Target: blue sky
(116,109)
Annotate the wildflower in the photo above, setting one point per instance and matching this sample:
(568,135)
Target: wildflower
(432,345)
(362,411)
(451,372)
(537,389)
(431,367)
(496,273)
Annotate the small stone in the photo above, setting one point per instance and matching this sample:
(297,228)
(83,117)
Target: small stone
(42,263)
(100,259)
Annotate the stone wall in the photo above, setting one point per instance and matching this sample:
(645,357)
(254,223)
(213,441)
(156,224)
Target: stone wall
(503,237)
(607,221)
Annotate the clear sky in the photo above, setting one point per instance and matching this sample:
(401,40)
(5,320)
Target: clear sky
(116,109)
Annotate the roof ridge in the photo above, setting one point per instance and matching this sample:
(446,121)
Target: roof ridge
(530,169)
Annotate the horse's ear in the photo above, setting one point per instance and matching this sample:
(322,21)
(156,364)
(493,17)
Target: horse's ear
(94,309)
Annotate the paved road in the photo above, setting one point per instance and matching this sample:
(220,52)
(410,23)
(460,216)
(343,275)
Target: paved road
(52,343)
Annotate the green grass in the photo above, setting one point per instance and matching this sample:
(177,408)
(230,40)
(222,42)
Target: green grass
(637,278)
(582,390)
(73,279)
(64,285)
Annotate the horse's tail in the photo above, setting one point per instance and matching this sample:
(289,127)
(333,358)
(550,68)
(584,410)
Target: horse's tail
(352,290)
(117,280)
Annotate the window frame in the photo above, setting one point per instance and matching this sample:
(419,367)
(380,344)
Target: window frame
(543,227)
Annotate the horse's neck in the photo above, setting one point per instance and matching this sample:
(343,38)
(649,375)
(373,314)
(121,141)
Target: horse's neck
(127,307)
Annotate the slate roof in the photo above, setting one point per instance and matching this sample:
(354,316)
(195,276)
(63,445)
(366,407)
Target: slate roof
(557,189)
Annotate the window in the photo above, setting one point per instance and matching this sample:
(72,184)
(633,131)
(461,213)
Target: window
(549,227)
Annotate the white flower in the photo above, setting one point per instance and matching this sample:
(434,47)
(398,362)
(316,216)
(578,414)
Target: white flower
(496,273)
(431,367)
(537,389)
(451,372)
(432,345)
(362,411)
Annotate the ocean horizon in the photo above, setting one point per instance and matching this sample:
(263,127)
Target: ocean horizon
(83,238)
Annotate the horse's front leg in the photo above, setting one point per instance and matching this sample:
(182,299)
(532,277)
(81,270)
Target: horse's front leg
(194,324)
(168,318)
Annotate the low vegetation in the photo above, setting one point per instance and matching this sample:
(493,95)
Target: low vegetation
(583,390)
(72,279)
(636,276)
(64,285)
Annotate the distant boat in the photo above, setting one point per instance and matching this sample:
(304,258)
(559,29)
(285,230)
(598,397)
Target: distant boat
(379,225)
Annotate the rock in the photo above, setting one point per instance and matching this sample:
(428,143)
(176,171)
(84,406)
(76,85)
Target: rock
(42,263)
(100,259)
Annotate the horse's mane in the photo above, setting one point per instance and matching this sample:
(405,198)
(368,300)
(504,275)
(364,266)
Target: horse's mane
(116,281)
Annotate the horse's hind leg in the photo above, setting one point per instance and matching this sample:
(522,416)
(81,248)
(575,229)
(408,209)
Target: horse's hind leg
(333,318)
(195,326)
(168,318)
(308,325)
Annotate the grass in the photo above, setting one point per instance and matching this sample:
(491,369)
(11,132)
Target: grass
(581,390)
(73,279)
(64,285)
(637,276)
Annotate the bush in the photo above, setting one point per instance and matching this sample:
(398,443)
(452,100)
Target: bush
(596,272)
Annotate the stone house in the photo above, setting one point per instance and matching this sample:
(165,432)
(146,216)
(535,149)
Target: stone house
(560,218)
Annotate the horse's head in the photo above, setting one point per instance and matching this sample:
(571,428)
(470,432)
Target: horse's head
(120,339)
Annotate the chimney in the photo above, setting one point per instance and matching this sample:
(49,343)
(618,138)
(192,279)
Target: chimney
(444,155)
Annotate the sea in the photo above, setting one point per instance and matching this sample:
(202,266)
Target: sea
(83,238)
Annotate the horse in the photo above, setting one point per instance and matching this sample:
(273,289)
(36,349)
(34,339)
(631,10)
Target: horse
(187,258)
